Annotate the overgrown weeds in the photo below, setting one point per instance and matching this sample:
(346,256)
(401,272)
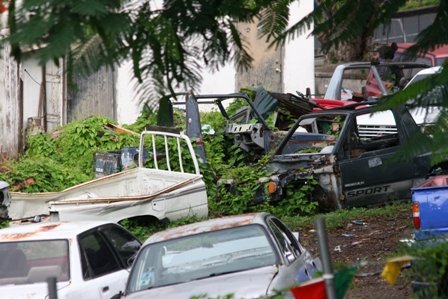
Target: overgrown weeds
(338,219)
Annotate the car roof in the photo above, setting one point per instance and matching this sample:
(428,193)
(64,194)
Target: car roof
(431,70)
(47,230)
(206,226)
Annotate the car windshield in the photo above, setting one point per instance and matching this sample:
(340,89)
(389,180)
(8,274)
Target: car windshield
(29,262)
(200,256)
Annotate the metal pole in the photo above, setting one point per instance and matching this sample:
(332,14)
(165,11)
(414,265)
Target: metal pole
(325,257)
(52,290)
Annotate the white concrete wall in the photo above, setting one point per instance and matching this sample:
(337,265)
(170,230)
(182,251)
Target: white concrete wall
(128,106)
(298,70)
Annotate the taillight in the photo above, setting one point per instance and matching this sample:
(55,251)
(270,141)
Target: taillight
(416,215)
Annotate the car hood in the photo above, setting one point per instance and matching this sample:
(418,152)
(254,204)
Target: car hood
(246,284)
(25,291)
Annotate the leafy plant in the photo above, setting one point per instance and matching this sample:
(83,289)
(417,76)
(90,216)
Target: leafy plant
(297,200)
(4,224)
(430,267)
(47,175)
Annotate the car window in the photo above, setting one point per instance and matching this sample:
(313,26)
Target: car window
(440,61)
(288,246)
(203,255)
(371,132)
(124,243)
(425,60)
(99,258)
(30,262)
(325,131)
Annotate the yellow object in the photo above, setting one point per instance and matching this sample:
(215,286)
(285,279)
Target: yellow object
(393,268)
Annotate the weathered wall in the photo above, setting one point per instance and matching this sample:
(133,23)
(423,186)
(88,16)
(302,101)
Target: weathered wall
(323,75)
(95,96)
(55,97)
(10,107)
(267,65)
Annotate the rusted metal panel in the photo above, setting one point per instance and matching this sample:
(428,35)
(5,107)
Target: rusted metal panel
(198,227)
(267,65)
(47,231)
(95,97)
(10,108)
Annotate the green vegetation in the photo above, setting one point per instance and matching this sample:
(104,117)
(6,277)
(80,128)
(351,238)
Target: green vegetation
(430,265)
(410,4)
(66,160)
(338,219)
(333,220)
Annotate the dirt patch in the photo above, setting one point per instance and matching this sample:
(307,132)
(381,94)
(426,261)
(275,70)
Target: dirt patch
(370,244)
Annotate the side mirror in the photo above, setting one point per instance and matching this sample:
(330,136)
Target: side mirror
(117,296)
(308,92)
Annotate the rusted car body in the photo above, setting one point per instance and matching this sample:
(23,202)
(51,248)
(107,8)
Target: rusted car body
(249,127)
(356,166)
(155,191)
(88,259)
(248,255)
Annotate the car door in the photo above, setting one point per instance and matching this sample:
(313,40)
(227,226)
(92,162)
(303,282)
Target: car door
(298,263)
(101,264)
(366,176)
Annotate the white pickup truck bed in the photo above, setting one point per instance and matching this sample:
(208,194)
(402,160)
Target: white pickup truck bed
(136,192)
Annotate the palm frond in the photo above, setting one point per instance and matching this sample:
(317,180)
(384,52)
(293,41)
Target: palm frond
(87,8)
(344,23)
(429,92)
(274,19)
(417,144)
(241,57)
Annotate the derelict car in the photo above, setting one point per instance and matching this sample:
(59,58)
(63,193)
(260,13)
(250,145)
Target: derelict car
(248,255)
(88,259)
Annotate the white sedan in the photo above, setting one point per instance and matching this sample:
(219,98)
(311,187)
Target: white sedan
(89,259)
(250,255)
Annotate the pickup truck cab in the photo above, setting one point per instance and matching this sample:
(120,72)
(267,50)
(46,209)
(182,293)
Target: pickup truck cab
(378,79)
(353,166)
